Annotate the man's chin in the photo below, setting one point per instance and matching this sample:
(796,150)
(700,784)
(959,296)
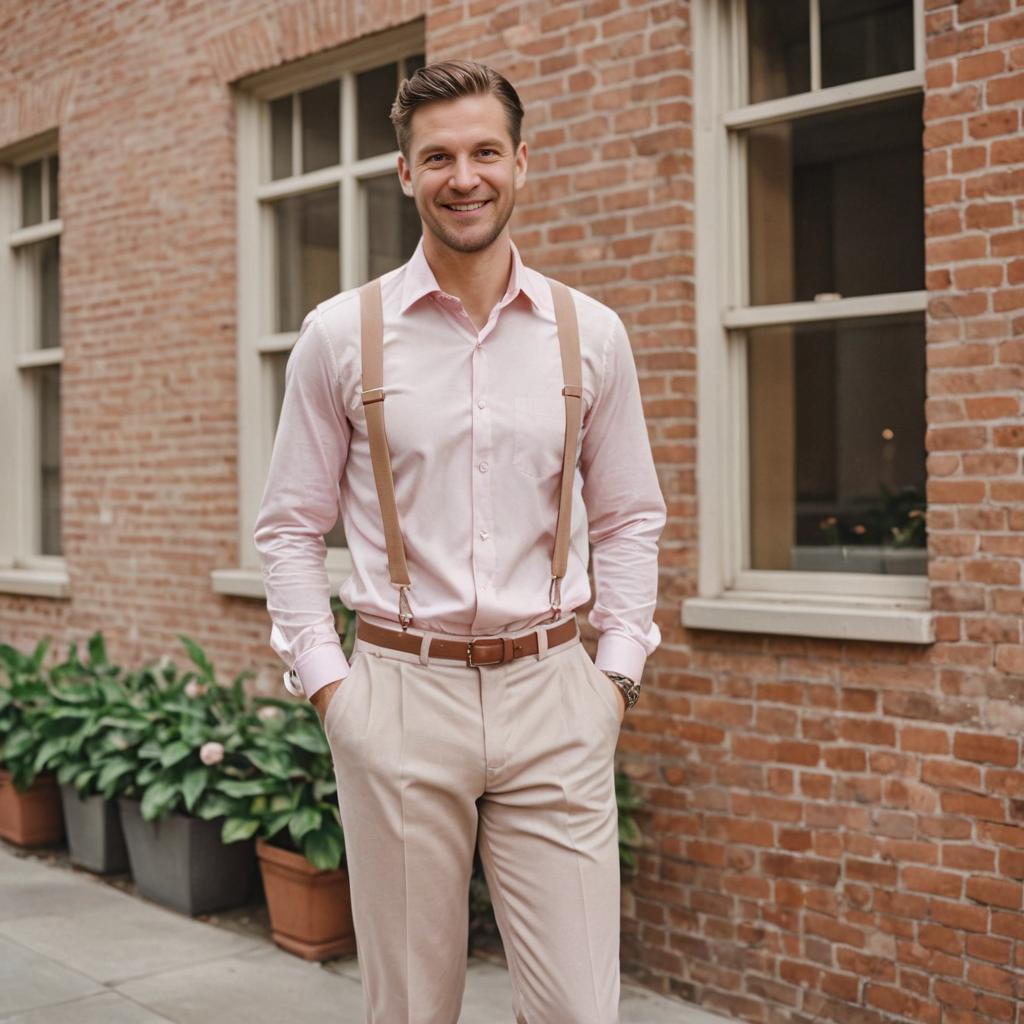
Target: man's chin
(463,243)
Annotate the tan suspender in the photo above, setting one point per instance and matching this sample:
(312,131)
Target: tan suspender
(372,347)
(371,314)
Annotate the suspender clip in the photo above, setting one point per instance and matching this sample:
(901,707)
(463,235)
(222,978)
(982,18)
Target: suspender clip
(555,598)
(404,611)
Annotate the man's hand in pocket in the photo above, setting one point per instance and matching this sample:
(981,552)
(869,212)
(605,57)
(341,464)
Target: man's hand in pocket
(323,696)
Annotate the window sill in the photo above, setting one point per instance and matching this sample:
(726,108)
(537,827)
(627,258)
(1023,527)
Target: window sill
(249,582)
(881,621)
(35,582)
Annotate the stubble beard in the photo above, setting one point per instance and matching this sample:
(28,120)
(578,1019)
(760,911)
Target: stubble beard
(455,242)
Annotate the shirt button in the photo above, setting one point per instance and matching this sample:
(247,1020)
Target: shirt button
(484,535)
(482,467)
(481,404)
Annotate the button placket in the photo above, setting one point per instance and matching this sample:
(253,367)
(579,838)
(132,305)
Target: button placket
(483,455)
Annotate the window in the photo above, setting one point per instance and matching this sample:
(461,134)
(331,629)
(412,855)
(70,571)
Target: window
(811,333)
(320,211)
(30,513)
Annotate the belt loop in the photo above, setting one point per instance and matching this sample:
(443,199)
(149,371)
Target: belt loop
(542,643)
(425,648)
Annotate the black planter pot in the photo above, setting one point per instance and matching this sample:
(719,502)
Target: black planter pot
(95,839)
(180,861)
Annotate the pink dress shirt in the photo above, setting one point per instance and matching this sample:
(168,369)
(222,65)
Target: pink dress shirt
(474,424)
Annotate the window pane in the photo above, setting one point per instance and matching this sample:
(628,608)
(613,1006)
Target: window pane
(278,362)
(281,138)
(837,459)
(321,135)
(49,459)
(32,193)
(836,204)
(308,265)
(375,92)
(53,167)
(779,49)
(865,38)
(395,225)
(43,262)
(413,64)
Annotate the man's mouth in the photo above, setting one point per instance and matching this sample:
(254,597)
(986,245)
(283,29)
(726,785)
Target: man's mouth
(466,207)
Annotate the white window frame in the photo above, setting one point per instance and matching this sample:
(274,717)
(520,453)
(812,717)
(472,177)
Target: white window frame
(256,282)
(856,606)
(23,570)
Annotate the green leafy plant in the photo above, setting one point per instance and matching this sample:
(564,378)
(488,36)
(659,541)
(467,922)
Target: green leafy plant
(191,754)
(294,796)
(90,718)
(24,694)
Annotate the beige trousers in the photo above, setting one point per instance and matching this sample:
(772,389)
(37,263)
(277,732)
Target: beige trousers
(432,758)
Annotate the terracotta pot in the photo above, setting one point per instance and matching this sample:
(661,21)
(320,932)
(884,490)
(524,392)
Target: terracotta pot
(32,817)
(310,910)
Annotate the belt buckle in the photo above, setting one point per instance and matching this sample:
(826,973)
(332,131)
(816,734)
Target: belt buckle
(469,655)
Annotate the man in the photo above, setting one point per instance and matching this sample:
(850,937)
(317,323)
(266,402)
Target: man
(439,740)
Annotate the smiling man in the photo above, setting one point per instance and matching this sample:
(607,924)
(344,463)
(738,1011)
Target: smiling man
(479,430)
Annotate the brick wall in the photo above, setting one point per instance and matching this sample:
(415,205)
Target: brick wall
(833,831)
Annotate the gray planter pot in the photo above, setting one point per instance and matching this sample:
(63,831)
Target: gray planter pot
(180,861)
(95,839)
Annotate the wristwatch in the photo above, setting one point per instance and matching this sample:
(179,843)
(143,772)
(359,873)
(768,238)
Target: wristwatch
(630,689)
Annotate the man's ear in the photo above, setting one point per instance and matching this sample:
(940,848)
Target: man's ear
(404,175)
(521,154)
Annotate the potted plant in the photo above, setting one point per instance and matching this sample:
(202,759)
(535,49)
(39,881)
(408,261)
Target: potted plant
(171,789)
(90,719)
(30,811)
(294,813)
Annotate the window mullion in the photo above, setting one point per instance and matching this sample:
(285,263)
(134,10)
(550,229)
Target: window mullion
(815,43)
(353,269)
(919,51)
(296,136)
(44,190)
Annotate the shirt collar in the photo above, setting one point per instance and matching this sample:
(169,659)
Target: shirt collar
(419,280)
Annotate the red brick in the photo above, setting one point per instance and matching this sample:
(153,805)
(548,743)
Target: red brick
(938,883)
(994,891)
(986,749)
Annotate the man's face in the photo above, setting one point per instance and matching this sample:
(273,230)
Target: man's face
(463,171)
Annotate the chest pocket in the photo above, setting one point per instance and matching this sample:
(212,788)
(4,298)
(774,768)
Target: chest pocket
(538,428)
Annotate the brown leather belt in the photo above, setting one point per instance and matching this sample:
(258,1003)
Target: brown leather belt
(487,650)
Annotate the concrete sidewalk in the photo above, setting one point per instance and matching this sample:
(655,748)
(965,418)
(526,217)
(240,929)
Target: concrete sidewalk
(76,950)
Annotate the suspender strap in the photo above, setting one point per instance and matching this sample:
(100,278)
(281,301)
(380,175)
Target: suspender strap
(569,346)
(372,346)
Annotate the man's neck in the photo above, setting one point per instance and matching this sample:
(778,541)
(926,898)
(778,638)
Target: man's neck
(479,279)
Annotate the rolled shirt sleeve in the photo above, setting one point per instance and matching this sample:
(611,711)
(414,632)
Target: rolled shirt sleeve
(300,504)
(626,514)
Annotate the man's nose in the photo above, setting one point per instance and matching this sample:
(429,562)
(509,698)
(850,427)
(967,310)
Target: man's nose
(464,176)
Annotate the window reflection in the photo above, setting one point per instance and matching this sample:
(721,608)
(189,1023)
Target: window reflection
(836,419)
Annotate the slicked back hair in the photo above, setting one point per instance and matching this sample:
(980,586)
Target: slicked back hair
(451,80)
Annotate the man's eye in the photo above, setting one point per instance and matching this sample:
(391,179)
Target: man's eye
(435,156)
(484,152)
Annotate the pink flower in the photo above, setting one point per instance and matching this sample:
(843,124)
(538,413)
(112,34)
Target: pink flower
(268,712)
(211,753)
(194,688)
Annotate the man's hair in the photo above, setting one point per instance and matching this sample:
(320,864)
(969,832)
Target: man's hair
(451,80)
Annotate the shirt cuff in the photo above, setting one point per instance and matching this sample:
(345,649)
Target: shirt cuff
(319,666)
(617,653)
